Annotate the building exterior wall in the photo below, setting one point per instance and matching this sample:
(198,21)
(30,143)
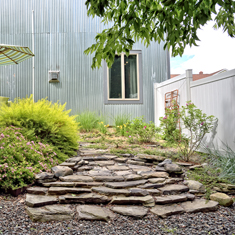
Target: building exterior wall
(62,31)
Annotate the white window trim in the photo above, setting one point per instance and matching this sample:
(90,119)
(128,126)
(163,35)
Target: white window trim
(139,99)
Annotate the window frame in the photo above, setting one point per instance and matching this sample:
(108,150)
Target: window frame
(123,100)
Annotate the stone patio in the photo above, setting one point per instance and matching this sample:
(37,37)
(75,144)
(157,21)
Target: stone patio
(103,185)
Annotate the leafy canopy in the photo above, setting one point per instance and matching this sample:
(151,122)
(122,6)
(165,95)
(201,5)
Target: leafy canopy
(173,21)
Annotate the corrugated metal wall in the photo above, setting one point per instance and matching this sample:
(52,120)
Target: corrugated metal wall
(62,33)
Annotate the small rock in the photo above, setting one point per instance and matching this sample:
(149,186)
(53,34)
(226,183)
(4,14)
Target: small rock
(172,168)
(158,168)
(185,164)
(87,212)
(222,199)
(44,175)
(68,164)
(166,161)
(61,171)
(134,211)
(195,185)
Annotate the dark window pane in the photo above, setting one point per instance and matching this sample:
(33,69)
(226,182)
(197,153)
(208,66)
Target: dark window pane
(115,79)
(131,83)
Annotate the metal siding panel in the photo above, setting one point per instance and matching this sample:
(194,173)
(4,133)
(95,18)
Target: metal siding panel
(62,32)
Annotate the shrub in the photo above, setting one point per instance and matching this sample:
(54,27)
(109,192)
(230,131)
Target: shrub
(102,128)
(21,158)
(169,124)
(88,121)
(49,122)
(141,130)
(198,124)
(224,160)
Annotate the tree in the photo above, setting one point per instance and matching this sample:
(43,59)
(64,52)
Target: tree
(175,22)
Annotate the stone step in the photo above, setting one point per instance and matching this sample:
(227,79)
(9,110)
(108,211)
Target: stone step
(173,189)
(108,178)
(84,198)
(171,199)
(37,190)
(73,184)
(40,200)
(166,210)
(65,190)
(76,178)
(133,211)
(127,184)
(147,201)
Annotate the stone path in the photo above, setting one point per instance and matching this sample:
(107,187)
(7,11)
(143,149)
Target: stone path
(103,185)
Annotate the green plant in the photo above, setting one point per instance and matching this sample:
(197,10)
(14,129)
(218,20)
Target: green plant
(43,120)
(208,176)
(88,121)
(169,124)
(102,128)
(198,124)
(141,130)
(21,158)
(224,160)
(121,119)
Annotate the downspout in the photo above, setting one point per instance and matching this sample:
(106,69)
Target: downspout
(33,52)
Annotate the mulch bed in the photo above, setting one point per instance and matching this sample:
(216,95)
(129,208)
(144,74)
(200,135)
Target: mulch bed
(14,220)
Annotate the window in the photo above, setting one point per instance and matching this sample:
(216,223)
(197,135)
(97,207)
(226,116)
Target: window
(123,81)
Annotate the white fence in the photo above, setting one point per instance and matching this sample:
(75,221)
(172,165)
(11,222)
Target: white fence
(214,95)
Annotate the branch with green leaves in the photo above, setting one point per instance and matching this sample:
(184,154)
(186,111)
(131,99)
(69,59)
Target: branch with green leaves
(174,22)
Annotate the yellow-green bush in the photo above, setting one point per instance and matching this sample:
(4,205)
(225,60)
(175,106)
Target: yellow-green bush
(43,120)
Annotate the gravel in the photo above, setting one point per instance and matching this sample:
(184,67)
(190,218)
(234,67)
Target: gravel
(14,220)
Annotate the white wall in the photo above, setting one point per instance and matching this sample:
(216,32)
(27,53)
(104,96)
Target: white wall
(214,95)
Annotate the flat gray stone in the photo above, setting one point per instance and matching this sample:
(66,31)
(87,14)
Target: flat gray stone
(37,190)
(50,213)
(46,180)
(44,175)
(110,191)
(93,157)
(100,173)
(195,167)
(121,160)
(64,190)
(185,164)
(68,164)
(123,173)
(88,184)
(153,174)
(138,192)
(118,168)
(102,163)
(157,180)
(199,205)
(127,184)
(110,156)
(136,162)
(173,189)
(137,168)
(154,192)
(132,177)
(190,196)
(76,178)
(39,200)
(86,212)
(150,157)
(173,180)
(195,185)
(147,186)
(134,211)
(59,184)
(61,171)
(108,178)
(147,201)
(74,159)
(166,210)
(170,199)
(84,198)
(173,168)
(92,152)
(158,168)
(84,168)
(166,161)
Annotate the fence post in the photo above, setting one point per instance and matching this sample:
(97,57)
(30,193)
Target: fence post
(189,79)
